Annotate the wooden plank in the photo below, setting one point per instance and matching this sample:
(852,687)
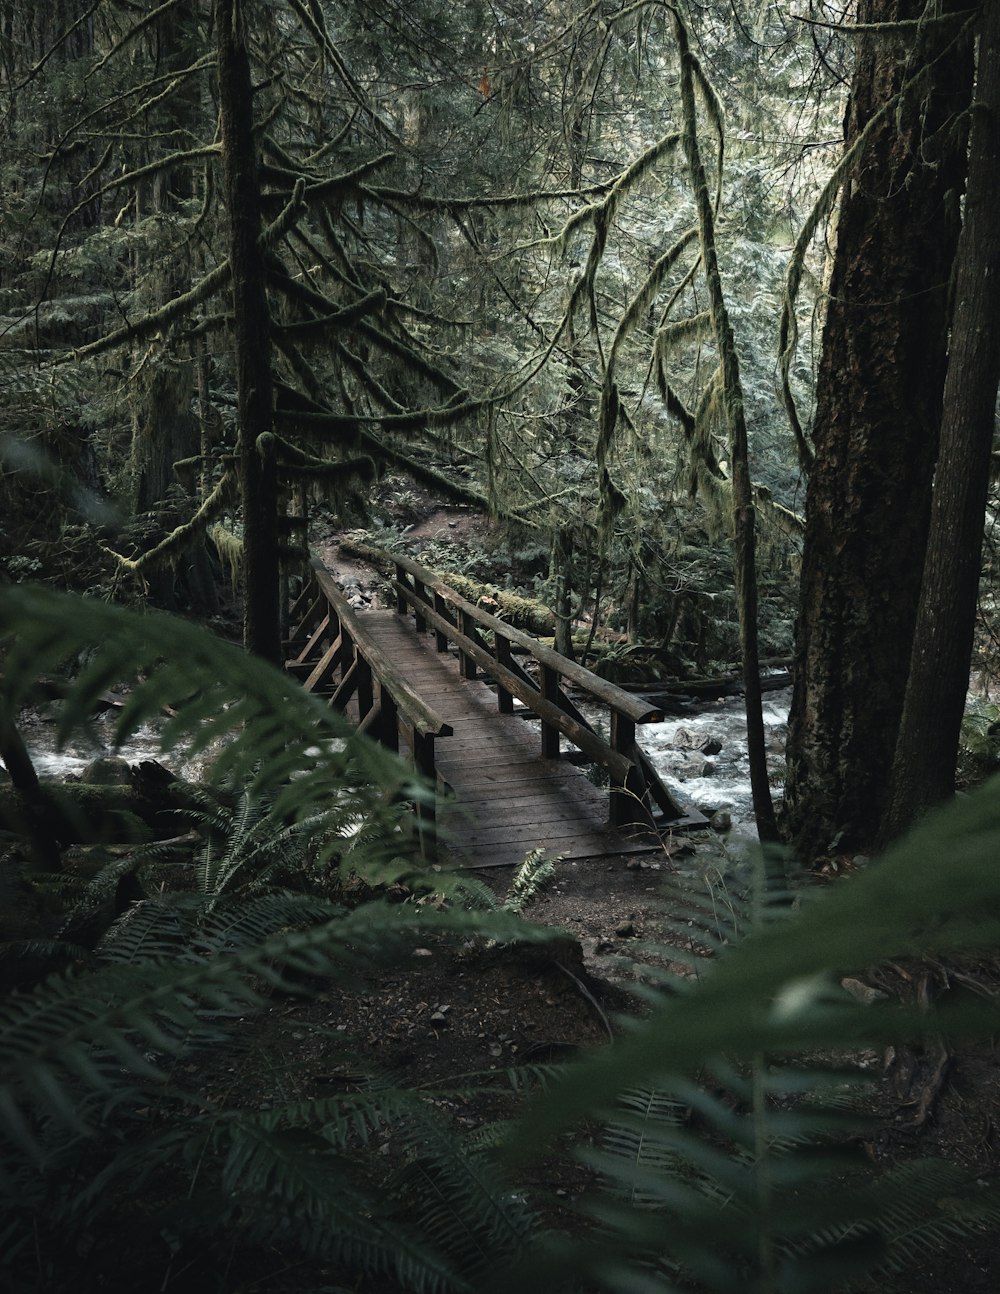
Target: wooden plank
(507,799)
(634,707)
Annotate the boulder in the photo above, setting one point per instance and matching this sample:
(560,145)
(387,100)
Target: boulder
(108,770)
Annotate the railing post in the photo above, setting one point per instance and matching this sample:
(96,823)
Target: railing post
(401,606)
(441,607)
(467,666)
(419,595)
(550,692)
(366,694)
(389,735)
(423,759)
(505,701)
(347,651)
(628,804)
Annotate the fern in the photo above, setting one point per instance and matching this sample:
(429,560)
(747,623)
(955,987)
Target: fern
(715,1173)
(89,1057)
(740,1174)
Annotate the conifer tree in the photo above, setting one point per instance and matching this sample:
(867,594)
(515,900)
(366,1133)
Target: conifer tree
(878,410)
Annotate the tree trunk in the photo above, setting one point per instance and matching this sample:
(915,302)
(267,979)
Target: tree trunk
(252,335)
(875,433)
(744,521)
(924,772)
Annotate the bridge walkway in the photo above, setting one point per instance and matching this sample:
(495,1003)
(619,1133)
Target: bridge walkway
(506,758)
(507,799)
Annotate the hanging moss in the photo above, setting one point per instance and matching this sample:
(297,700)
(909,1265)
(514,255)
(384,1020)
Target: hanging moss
(171,547)
(230,550)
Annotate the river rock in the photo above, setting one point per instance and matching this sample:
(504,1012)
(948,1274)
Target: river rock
(721,820)
(108,770)
(684,739)
(711,746)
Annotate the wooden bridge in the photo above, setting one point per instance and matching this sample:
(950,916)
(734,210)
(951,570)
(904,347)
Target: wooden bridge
(450,685)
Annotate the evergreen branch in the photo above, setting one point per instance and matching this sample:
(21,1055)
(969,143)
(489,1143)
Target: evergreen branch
(300,463)
(440,202)
(337,320)
(183,535)
(318,190)
(147,20)
(164,163)
(916,25)
(162,317)
(57,44)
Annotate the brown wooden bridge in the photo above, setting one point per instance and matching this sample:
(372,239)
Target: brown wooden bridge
(450,685)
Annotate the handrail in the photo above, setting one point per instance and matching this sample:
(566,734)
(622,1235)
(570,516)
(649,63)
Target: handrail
(323,621)
(413,707)
(626,703)
(453,619)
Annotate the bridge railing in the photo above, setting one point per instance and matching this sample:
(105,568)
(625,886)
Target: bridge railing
(331,653)
(638,795)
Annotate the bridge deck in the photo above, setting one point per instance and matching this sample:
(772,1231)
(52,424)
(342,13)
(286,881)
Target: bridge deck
(508,799)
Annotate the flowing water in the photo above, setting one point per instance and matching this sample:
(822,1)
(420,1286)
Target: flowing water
(720,780)
(707,779)
(82,747)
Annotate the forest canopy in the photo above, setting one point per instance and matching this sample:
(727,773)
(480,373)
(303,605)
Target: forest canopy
(571,263)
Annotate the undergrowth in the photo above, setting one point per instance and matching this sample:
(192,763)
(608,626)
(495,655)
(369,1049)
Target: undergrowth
(721,1138)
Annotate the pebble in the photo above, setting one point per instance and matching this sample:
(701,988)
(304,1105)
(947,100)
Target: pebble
(863,992)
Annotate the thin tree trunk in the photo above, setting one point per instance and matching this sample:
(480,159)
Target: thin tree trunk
(744,561)
(252,336)
(924,771)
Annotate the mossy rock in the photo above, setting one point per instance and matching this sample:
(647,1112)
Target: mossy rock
(107,770)
(76,812)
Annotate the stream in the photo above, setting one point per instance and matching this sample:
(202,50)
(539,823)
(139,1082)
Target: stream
(702,756)
(720,779)
(97,741)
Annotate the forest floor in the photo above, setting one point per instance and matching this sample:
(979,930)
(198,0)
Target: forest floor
(457,1017)
(454,1020)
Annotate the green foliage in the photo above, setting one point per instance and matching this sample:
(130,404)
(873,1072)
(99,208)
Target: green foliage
(979,747)
(534,873)
(726,1155)
(112,1157)
(724,1162)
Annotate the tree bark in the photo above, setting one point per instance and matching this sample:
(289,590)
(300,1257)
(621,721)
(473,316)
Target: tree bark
(744,519)
(875,432)
(252,336)
(924,772)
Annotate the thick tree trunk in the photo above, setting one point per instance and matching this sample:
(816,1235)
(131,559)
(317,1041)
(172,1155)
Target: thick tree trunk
(924,772)
(252,334)
(878,409)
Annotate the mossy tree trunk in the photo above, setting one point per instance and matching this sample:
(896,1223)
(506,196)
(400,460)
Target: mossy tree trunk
(744,521)
(924,772)
(251,334)
(165,427)
(875,431)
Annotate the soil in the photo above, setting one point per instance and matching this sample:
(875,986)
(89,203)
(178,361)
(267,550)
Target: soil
(450,1014)
(456,1018)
